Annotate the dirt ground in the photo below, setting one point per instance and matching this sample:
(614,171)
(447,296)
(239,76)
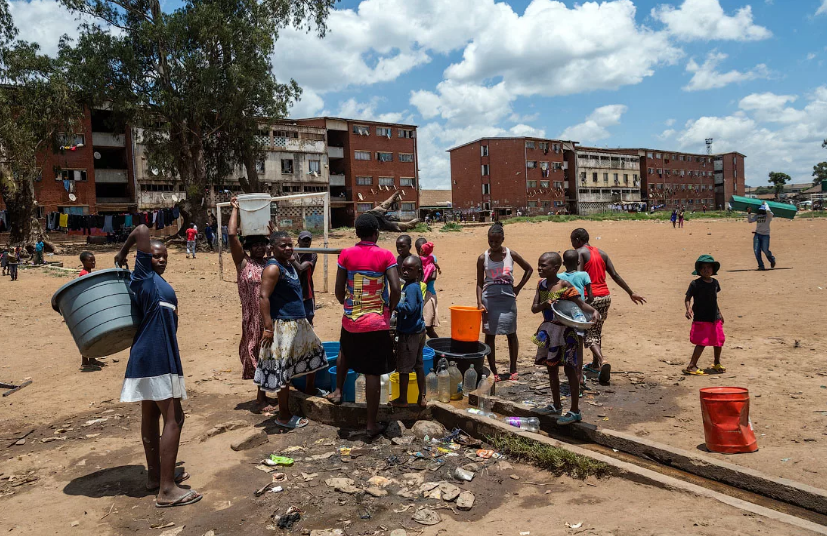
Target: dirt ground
(775,347)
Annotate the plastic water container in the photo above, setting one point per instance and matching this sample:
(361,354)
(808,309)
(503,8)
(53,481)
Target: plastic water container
(725,412)
(323,378)
(99,312)
(254,211)
(413,388)
(465,323)
(349,389)
(427,358)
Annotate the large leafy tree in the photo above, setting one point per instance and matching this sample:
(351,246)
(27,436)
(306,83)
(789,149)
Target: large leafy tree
(36,103)
(778,180)
(197,80)
(819,173)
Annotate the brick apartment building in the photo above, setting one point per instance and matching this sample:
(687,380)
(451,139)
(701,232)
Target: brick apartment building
(539,176)
(94,167)
(504,175)
(688,179)
(369,161)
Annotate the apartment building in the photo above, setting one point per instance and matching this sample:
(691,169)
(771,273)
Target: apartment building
(90,172)
(369,161)
(504,175)
(691,180)
(605,178)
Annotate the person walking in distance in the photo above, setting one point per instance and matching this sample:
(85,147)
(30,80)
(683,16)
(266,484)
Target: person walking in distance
(761,234)
(597,263)
(192,235)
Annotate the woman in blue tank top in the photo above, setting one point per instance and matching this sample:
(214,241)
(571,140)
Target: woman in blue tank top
(289,346)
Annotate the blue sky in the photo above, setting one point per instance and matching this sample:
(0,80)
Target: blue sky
(749,73)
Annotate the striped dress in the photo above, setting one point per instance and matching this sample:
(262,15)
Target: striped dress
(249,284)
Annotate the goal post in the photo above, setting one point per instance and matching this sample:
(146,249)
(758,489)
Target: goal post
(326,219)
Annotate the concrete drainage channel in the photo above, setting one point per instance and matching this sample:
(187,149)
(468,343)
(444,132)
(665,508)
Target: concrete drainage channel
(626,456)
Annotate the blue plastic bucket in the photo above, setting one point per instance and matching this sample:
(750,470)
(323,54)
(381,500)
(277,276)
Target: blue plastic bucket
(99,312)
(323,380)
(331,348)
(428,359)
(349,390)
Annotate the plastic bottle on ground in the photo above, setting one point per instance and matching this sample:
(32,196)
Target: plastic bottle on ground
(359,397)
(385,384)
(483,393)
(456,381)
(469,381)
(431,386)
(444,385)
(529,424)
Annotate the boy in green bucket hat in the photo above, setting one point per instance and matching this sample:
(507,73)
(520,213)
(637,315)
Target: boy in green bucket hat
(707,320)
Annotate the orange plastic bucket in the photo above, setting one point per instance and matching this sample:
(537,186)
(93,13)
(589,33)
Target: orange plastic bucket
(727,427)
(465,323)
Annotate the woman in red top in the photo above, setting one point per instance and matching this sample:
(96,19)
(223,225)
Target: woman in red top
(596,263)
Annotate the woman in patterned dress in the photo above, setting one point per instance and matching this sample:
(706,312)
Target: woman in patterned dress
(249,268)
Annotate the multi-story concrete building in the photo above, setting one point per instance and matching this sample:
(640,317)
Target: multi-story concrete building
(688,179)
(504,175)
(604,178)
(369,161)
(90,173)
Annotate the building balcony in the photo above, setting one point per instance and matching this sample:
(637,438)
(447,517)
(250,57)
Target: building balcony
(297,145)
(335,152)
(111,176)
(159,199)
(337,180)
(107,139)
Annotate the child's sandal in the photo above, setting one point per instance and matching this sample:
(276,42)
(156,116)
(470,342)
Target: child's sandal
(696,372)
(719,368)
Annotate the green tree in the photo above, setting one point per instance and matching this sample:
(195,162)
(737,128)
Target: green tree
(778,180)
(198,81)
(36,104)
(819,172)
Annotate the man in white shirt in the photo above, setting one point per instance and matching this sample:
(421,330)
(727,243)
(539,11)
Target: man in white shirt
(761,235)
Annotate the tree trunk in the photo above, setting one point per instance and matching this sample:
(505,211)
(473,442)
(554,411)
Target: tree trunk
(18,194)
(252,185)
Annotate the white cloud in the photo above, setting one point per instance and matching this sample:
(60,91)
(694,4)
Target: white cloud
(44,22)
(791,147)
(352,108)
(811,56)
(669,122)
(465,103)
(706,20)
(706,77)
(594,127)
(666,134)
(310,105)
(822,9)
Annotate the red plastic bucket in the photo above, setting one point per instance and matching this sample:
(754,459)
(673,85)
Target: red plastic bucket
(727,427)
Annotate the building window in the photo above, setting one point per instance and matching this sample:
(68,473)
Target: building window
(556,147)
(408,207)
(403,133)
(544,146)
(362,155)
(486,189)
(406,157)
(287,165)
(485,170)
(77,175)
(544,184)
(617,181)
(529,145)
(558,184)
(532,184)
(606,178)
(407,181)
(71,139)
(682,158)
(594,177)
(285,134)
(364,181)
(315,166)
(532,204)
(531,164)
(364,207)
(650,170)
(625,178)
(483,150)
(384,157)
(634,178)
(658,155)
(650,155)
(361,130)
(386,181)
(260,165)
(314,189)
(385,132)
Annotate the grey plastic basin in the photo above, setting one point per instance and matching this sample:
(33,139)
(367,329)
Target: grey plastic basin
(99,312)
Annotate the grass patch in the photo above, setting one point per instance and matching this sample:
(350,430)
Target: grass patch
(451,227)
(553,459)
(812,214)
(421,227)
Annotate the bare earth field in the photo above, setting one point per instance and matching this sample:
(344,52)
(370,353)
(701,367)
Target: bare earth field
(775,347)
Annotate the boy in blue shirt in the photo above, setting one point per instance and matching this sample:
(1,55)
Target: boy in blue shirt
(410,332)
(579,280)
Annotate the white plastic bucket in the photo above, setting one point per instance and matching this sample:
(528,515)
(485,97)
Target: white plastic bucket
(254,211)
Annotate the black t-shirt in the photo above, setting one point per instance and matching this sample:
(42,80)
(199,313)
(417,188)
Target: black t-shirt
(704,299)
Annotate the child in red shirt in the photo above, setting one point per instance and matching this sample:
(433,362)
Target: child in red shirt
(87,259)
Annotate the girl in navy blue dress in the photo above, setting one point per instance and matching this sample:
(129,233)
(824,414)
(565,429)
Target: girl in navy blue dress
(154,376)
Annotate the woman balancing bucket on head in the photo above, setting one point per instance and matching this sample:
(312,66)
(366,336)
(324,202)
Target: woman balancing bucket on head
(497,297)
(248,268)
(154,376)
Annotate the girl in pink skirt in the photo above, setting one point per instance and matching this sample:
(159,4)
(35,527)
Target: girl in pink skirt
(707,320)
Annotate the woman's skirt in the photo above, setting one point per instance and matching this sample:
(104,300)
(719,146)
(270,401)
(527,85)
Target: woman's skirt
(296,351)
(500,303)
(707,333)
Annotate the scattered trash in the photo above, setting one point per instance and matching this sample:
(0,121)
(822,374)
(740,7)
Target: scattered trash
(343,485)
(279,460)
(449,491)
(525,533)
(575,526)
(462,474)
(465,501)
(309,476)
(515,477)
(344,451)
(785,460)
(95,421)
(290,518)
(162,525)
(485,454)
(426,516)
(271,487)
